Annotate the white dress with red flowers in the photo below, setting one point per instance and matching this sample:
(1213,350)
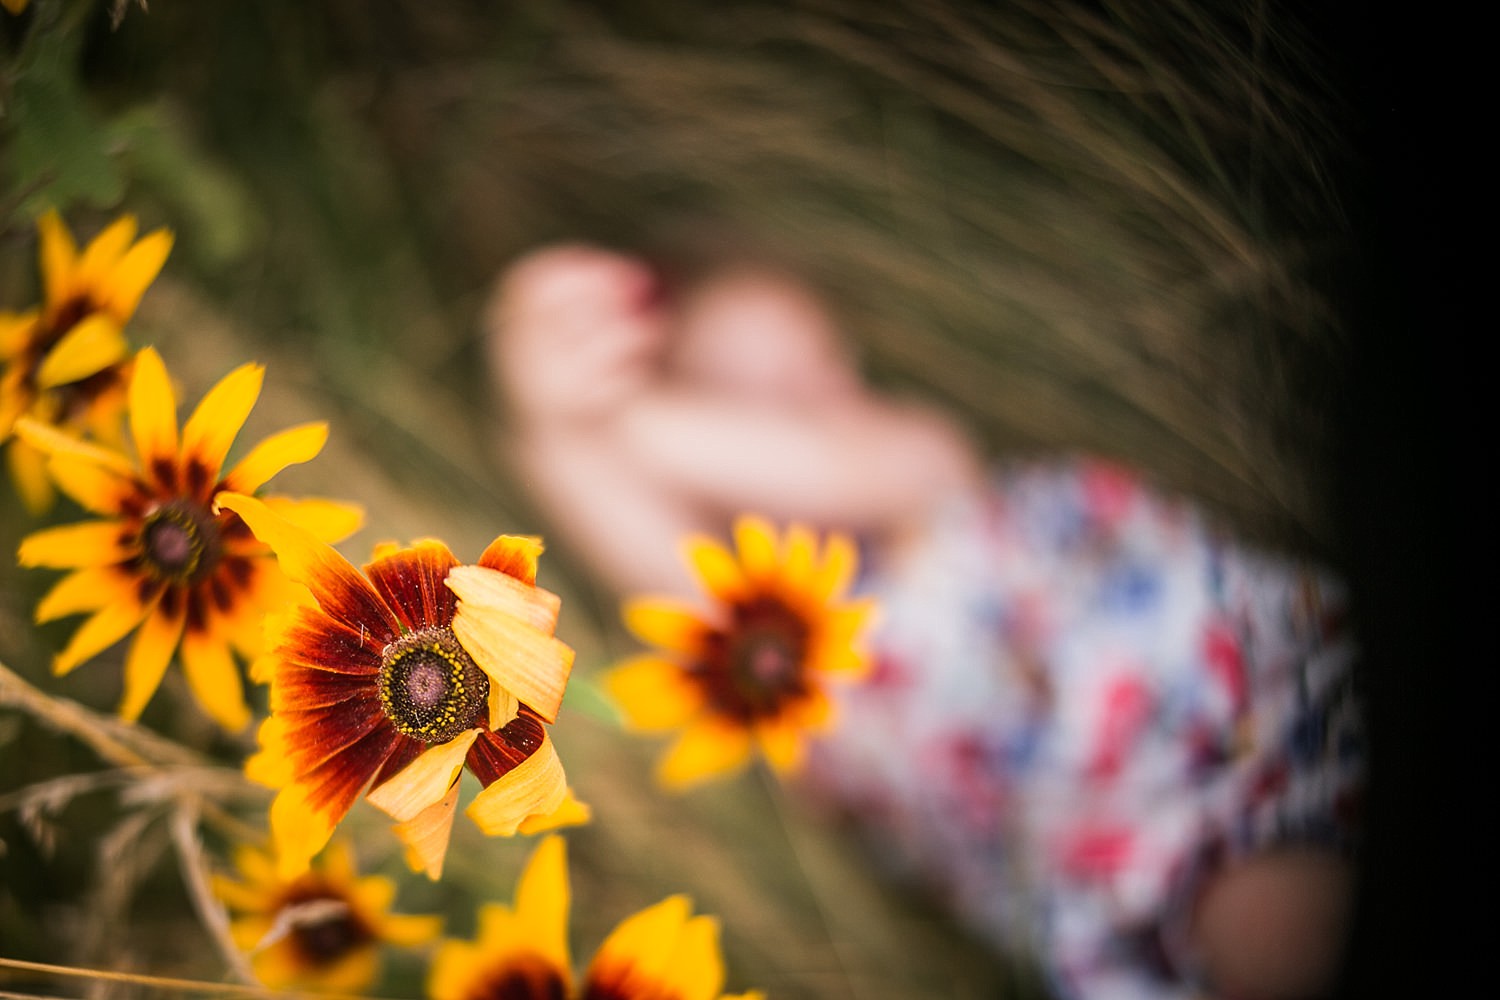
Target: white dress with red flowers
(1083,699)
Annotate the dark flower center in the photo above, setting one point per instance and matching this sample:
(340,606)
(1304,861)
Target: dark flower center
(325,929)
(430,687)
(179,542)
(522,977)
(752,668)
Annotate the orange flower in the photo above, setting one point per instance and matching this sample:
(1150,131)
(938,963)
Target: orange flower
(67,361)
(521,952)
(752,669)
(161,559)
(396,679)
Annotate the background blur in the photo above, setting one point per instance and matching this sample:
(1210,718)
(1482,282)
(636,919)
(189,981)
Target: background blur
(1126,228)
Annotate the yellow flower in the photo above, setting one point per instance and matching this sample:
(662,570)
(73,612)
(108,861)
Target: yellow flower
(521,951)
(752,670)
(66,361)
(322,930)
(397,679)
(161,557)
(14,6)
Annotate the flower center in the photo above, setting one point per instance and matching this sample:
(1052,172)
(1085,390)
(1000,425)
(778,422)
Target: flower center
(324,929)
(759,660)
(430,687)
(179,542)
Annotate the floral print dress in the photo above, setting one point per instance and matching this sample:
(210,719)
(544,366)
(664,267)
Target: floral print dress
(1084,699)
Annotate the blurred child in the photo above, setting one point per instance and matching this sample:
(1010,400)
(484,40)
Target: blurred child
(1098,727)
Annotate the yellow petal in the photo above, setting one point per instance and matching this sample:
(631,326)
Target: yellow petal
(102,630)
(133,274)
(289,447)
(104,252)
(326,520)
(341,591)
(351,974)
(653,694)
(16,330)
(572,812)
(664,622)
(755,541)
(59,258)
(28,470)
(535,787)
(150,653)
(523,659)
(153,410)
(92,345)
(696,968)
(409,930)
(214,678)
(710,749)
(514,555)
(271,766)
(716,569)
(55,444)
(427,833)
(70,546)
(217,419)
(84,590)
(455,967)
(542,901)
(490,589)
(299,828)
(92,487)
(840,560)
(781,743)
(425,780)
(799,549)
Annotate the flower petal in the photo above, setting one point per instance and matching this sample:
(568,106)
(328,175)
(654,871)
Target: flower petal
(71,546)
(100,631)
(16,330)
(535,787)
(426,835)
(411,583)
(55,443)
(833,577)
(717,571)
(666,623)
(87,589)
(150,653)
(133,274)
(516,655)
(709,749)
(543,898)
(93,344)
(755,541)
(103,253)
(289,447)
(781,744)
(488,589)
(661,951)
(572,812)
(326,520)
(218,417)
(153,413)
(91,486)
(214,678)
(653,694)
(425,780)
(59,257)
(513,555)
(301,824)
(28,470)
(338,587)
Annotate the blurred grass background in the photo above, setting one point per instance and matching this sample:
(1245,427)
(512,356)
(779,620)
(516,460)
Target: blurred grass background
(1112,227)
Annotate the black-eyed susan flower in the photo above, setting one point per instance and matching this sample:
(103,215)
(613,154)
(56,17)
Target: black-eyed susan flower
(521,951)
(752,670)
(161,559)
(321,930)
(396,679)
(66,361)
